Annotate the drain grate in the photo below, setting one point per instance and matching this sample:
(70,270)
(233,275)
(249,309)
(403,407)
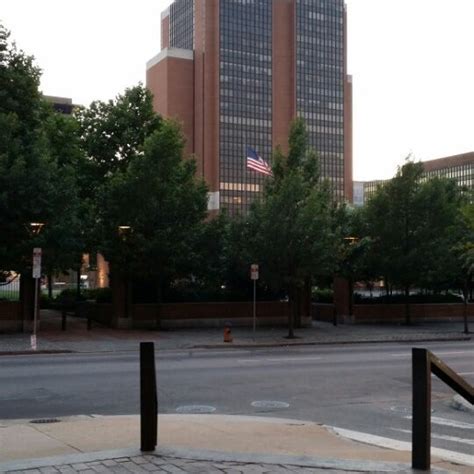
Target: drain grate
(45,420)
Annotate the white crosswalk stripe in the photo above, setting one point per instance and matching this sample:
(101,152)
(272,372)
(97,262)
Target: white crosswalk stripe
(446,422)
(453,439)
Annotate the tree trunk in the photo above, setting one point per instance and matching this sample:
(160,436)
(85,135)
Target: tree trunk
(293,303)
(465,297)
(351,295)
(78,285)
(407,306)
(50,286)
(159,301)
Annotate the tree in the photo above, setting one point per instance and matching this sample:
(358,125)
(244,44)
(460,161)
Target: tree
(159,197)
(409,221)
(31,185)
(64,238)
(289,229)
(113,132)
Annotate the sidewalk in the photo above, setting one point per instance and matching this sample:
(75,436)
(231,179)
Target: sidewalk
(100,339)
(195,443)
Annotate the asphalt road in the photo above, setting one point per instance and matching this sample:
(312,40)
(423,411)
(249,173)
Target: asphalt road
(366,388)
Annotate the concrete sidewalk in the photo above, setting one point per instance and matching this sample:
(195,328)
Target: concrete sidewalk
(100,339)
(195,443)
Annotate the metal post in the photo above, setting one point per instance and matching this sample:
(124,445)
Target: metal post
(35,312)
(421,420)
(148,397)
(63,320)
(254,306)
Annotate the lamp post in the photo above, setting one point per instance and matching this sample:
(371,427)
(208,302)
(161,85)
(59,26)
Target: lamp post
(35,228)
(352,241)
(124,232)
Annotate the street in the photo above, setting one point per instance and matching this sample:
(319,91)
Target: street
(362,387)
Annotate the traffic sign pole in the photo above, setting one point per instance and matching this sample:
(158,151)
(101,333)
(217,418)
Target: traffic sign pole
(254,277)
(36,275)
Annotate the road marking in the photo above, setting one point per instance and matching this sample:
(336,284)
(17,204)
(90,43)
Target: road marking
(466,373)
(443,437)
(444,422)
(280,359)
(436,354)
(453,456)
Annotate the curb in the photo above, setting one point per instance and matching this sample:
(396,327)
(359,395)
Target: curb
(461,404)
(322,343)
(247,345)
(214,456)
(31,352)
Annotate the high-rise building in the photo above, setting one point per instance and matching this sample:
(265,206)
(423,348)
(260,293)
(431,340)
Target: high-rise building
(235,73)
(459,168)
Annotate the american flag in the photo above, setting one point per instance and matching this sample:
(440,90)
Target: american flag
(257,163)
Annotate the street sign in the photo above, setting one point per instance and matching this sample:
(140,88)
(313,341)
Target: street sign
(36,262)
(254,271)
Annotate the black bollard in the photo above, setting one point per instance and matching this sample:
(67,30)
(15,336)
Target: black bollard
(148,397)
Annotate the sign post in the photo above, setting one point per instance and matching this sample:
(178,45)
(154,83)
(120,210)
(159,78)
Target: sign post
(36,275)
(254,277)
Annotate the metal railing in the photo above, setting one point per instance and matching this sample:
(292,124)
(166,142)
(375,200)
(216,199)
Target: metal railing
(424,363)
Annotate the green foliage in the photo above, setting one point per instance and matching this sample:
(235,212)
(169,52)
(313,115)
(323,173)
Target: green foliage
(413,225)
(290,230)
(162,201)
(113,132)
(34,186)
(322,295)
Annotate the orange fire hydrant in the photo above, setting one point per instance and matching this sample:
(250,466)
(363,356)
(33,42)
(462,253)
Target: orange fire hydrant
(228,332)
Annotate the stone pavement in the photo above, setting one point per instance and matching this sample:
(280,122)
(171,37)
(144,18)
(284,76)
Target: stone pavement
(196,443)
(100,339)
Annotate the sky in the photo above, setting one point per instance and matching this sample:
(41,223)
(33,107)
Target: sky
(411,61)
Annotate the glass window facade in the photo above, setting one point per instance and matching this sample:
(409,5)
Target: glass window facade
(463,174)
(182,24)
(320,82)
(245,98)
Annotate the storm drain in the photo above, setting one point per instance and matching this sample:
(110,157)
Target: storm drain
(45,420)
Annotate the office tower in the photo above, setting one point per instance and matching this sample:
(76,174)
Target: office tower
(235,73)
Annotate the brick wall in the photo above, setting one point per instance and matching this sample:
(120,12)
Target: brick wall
(269,313)
(10,316)
(395,313)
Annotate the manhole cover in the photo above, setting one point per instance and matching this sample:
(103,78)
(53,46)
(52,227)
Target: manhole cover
(196,409)
(46,420)
(269,404)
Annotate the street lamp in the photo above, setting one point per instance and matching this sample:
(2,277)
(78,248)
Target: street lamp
(36,228)
(123,232)
(351,241)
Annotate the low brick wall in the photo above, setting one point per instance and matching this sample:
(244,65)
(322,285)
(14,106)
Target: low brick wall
(192,315)
(269,313)
(10,316)
(395,313)
(323,312)
(101,313)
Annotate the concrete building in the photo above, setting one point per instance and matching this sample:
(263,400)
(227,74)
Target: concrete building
(457,167)
(61,104)
(235,73)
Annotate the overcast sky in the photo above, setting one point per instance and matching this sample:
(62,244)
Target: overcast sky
(412,63)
